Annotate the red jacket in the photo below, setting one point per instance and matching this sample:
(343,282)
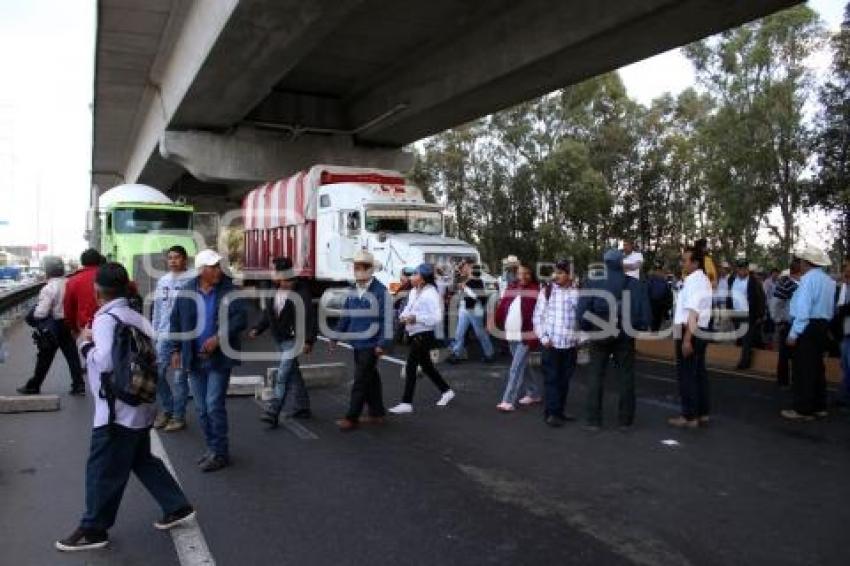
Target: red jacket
(80,302)
(527,304)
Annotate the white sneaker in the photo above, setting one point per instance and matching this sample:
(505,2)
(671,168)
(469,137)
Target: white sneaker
(402,409)
(445,398)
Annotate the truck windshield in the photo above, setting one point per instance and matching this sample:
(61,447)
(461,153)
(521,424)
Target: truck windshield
(404,220)
(142,220)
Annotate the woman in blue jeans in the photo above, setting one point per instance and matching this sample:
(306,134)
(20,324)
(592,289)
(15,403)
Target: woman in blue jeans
(515,316)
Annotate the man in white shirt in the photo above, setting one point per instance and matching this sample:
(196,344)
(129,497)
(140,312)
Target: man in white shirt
(692,314)
(120,442)
(632,259)
(48,318)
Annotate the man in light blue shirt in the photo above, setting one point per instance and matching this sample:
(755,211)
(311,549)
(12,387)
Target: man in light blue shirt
(172,403)
(811,310)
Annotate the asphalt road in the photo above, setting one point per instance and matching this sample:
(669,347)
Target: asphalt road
(460,485)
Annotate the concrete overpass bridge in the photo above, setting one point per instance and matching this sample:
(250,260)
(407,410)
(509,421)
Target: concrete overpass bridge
(204,97)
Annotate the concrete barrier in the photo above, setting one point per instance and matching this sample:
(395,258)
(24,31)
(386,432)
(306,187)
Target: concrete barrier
(28,403)
(726,356)
(315,376)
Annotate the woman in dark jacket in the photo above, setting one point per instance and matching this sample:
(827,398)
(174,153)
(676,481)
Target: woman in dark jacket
(515,316)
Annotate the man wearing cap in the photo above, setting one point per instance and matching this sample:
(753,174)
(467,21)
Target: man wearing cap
(747,300)
(290,329)
(510,265)
(812,307)
(366,320)
(196,313)
(120,438)
(779,305)
(471,313)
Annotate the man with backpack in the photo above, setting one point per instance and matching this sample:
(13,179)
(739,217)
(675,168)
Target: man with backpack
(122,376)
(196,312)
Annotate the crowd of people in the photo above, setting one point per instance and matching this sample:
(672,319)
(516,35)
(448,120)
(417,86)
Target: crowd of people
(140,371)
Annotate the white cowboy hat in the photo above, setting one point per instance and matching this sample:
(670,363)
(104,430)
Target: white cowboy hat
(364,256)
(813,255)
(207,258)
(509,261)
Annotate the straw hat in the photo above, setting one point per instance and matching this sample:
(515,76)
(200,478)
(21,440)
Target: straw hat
(364,256)
(510,261)
(813,255)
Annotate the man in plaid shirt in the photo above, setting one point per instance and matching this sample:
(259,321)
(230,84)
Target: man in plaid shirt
(556,327)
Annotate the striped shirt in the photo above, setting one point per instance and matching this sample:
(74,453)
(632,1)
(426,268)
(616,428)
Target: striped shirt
(555,317)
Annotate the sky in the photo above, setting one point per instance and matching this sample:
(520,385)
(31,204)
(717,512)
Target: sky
(47,62)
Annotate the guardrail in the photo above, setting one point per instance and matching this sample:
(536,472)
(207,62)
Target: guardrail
(13,304)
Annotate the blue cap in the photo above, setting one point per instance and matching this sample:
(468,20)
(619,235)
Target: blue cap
(425,269)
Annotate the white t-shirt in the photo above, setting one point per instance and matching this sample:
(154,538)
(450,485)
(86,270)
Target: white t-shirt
(694,296)
(633,258)
(739,294)
(513,321)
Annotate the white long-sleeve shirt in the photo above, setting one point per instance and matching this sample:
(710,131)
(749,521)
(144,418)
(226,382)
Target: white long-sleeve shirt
(50,299)
(425,304)
(99,360)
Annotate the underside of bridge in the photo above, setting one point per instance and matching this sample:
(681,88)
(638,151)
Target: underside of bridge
(204,98)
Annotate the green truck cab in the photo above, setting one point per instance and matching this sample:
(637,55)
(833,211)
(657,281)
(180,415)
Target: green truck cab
(135,226)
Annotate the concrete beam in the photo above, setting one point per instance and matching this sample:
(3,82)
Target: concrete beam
(252,155)
(28,403)
(533,48)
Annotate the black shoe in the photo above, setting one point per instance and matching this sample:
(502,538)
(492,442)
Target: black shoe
(270,418)
(554,421)
(204,457)
(175,519)
(83,539)
(78,390)
(27,390)
(215,463)
(302,414)
(567,418)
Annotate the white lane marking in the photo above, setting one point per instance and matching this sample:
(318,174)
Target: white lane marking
(347,346)
(292,426)
(189,541)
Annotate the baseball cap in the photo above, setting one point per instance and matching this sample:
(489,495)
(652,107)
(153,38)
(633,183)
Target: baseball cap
(207,258)
(425,269)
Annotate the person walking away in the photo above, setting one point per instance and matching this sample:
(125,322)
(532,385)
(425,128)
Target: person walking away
(49,315)
(841,331)
(660,296)
(632,259)
(79,302)
(556,326)
(812,307)
(616,339)
(471,312)
(421,316)
(172,402)
(779,305)
(515,316)
(691,318)
(196,311)
(748,301)
(120,438)
(370,338)
(290,331)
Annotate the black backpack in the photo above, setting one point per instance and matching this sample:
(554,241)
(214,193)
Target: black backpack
(134,371)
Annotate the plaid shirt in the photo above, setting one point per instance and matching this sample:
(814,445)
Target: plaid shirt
(555,318)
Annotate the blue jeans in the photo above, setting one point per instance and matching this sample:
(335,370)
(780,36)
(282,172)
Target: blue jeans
(288,379)
(113,455)
(172,402)
(517,375)
(465,319)
(844,388)
(209,389)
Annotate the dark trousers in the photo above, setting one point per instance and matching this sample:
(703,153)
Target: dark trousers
(420,356)
(622,349)
(366,389)
(783,361)
(659,313)
(693,380)
(113,455)
(746,342)
(809,385)
(559,365)
(44,358)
